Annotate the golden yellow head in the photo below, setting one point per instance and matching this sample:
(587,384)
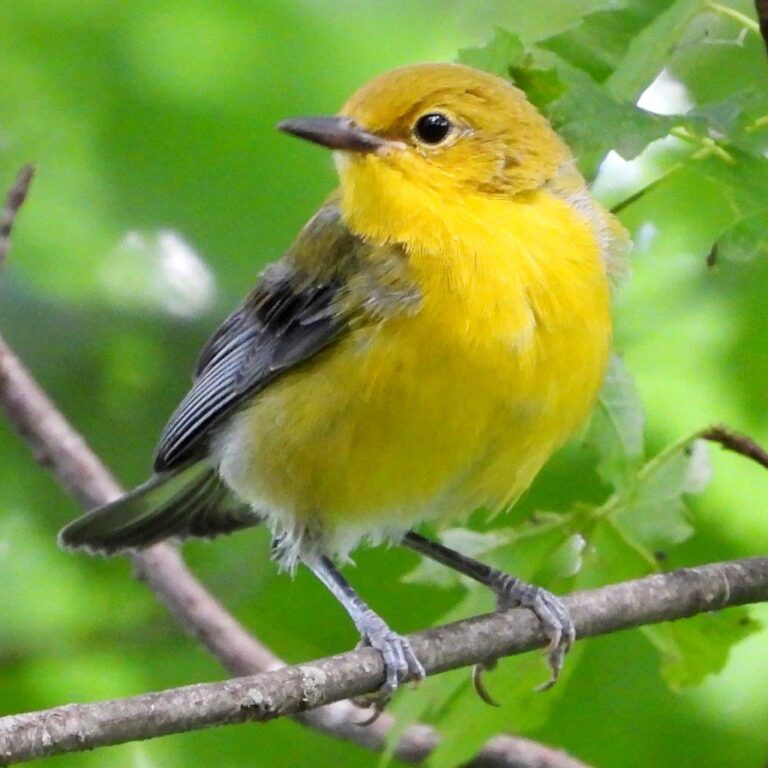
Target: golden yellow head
(441,126)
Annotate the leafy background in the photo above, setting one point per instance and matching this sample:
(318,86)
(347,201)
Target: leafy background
(162,190)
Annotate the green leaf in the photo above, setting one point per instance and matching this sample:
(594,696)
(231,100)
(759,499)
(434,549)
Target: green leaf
(564,562)
(651,518)
(646,516)
(567,88)
(742,179)
(598,43)
(593,122)
(544,550)
(654,514)
(616,427)
(610,557)
(542,86)
(502,52)
(626,47)
(740,119)
(737,181)
(651,47)
(742,176)
(693,648)
(720,54)
(467,722)
(746,239)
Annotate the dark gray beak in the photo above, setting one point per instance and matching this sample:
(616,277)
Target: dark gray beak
(333,132)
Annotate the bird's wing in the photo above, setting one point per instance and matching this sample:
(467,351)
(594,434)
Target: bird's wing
(191,501)
(274,330)
(301,305)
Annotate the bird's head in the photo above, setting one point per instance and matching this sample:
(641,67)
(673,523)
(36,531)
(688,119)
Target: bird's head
(442,126)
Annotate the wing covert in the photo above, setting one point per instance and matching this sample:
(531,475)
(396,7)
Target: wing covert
(288,318)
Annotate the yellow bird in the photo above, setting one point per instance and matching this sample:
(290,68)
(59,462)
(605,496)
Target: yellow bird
(437,329)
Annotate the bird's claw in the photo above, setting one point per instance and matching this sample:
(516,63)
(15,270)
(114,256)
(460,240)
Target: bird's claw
(552,613)
(400,662)
(479,684)
(555,620)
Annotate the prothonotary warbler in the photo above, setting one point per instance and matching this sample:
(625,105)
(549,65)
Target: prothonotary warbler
(437,329)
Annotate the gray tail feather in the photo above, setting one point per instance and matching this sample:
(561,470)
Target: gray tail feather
(191,501)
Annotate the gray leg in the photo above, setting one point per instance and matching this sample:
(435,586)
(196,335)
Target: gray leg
(510,593)
(400,662)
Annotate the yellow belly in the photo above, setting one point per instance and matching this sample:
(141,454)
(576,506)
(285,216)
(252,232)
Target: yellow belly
(457,405)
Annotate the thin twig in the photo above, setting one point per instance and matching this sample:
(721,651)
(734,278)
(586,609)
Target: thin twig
(286,691)
(59,447)
(13,202)
(736,442)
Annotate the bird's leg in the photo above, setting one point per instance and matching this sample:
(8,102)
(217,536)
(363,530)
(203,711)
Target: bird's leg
(510,593)
(400,662)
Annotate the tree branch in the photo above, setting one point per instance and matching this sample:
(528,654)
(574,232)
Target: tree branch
(736,442)
(60,448)
(14,200)
(286,691)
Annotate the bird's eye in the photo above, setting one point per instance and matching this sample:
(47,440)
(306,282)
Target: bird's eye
(432,128)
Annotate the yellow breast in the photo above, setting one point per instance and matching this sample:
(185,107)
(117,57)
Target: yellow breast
(453,406)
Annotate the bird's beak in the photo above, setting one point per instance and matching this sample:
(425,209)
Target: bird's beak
(334,133)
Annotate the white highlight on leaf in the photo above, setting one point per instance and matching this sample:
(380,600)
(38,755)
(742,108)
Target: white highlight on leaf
(699,467)
(666,95)
(616,171)
(645,236)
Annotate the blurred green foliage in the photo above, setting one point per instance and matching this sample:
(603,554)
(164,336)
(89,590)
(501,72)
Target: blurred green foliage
(152,128)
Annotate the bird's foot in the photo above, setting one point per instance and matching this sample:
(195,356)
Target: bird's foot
(400,662)
(554,617)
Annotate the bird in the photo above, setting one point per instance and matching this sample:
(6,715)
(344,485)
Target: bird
(439,327)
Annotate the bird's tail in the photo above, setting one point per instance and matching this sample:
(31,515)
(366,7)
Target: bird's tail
(191,501)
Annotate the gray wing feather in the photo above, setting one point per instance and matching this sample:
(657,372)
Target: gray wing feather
(294,313)
(275,329)
(192,501)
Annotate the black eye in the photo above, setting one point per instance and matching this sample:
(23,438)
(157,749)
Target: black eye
(432,128)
